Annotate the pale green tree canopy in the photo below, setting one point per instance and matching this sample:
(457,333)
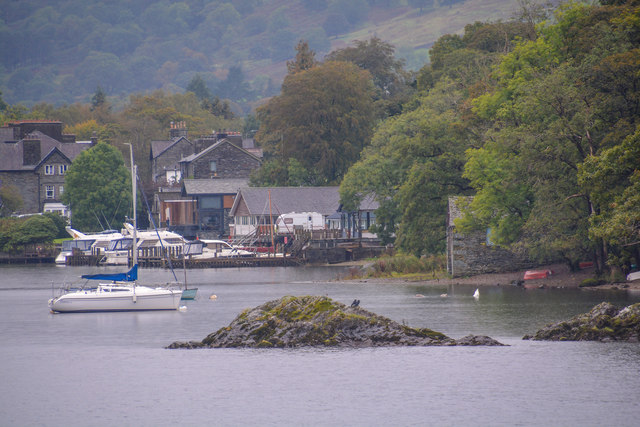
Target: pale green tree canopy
(98,189)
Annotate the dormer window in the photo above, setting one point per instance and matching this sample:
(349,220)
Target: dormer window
(62,169)
(49,170)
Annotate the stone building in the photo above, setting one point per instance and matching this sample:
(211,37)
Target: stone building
(221,160)
(197,180)
(474,253)
(167,155)
(34,157)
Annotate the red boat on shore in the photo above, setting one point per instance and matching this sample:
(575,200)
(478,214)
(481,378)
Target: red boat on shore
(537,274)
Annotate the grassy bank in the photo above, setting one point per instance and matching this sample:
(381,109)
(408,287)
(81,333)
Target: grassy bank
(403,266)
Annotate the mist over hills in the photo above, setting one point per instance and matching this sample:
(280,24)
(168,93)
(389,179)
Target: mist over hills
(60,51)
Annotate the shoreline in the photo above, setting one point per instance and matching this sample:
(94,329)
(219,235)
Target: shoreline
(562,277)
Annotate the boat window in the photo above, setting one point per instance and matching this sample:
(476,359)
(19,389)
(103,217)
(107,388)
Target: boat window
(83,245)
(120,244)
(147,243)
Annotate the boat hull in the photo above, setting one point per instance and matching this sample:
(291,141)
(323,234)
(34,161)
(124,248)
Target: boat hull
(95,300)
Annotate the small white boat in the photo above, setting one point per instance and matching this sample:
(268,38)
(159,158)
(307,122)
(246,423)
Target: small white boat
(220,249)
(476,294)
(120,291)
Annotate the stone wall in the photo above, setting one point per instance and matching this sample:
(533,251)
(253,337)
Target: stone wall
(231,163)
(27,185)
(171,156)
(469,254)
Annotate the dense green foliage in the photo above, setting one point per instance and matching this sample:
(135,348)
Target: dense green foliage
(564,106)
(539,124)
(416,159)
(60,51)
(321,120)
(98,189)
(18,233)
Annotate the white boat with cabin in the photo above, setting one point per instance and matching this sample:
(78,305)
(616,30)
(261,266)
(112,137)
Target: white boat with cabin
(118,251)
(220,249)
(86,243)
(119,292)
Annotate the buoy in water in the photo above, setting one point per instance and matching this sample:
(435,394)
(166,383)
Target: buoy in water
(419,296)
(214,296)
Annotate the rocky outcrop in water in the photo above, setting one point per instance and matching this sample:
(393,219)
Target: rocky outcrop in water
(319,321)
(605,322)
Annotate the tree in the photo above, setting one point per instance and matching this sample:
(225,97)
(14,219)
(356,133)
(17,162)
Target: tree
(198,86)
(16,233)
(98,99)
(10,200)
(3,105)
(561,106)
(377,57)
(98,187)
(305,58)
(323,118)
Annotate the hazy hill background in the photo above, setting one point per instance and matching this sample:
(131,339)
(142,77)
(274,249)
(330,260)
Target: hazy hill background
(60,51)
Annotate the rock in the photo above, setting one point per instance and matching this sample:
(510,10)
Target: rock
(477,340)
(316,321)
(605,322)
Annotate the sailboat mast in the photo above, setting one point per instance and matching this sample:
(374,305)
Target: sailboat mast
(134,174)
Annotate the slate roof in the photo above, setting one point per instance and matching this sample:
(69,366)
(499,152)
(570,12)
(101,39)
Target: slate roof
(324,200)
(159,147)
(193,187)
(215,146)
(11,153)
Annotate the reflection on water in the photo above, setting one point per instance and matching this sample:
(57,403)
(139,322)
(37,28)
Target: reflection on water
(111,368)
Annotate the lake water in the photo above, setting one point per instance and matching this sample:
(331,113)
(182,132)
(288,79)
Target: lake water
(107,369)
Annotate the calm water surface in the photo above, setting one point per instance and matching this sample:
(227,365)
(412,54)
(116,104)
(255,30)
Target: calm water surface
(112,369)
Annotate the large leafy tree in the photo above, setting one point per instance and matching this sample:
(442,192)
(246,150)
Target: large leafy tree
(416,158)
(323,118)
(391,80)
(98,189)
(562,103)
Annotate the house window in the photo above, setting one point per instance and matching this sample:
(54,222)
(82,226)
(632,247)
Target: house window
(61,190)
(213,166)
(210,202)
(49,170)
(62,169)
(49,192)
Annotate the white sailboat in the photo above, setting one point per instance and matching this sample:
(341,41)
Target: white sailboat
(118,292)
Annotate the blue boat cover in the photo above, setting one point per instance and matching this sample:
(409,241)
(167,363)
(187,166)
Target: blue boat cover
(129,276)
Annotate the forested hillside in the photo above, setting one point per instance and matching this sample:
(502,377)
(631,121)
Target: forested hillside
(60,51)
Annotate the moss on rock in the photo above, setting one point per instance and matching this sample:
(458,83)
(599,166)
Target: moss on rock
(604,322)
(319,321)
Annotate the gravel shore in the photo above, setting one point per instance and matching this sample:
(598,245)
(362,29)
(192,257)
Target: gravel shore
(562,277)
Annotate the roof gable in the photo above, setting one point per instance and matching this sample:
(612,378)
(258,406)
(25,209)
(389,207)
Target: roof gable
(11,153)
(217,146)
(159,147)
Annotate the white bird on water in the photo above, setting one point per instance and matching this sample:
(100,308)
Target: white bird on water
(476,294)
